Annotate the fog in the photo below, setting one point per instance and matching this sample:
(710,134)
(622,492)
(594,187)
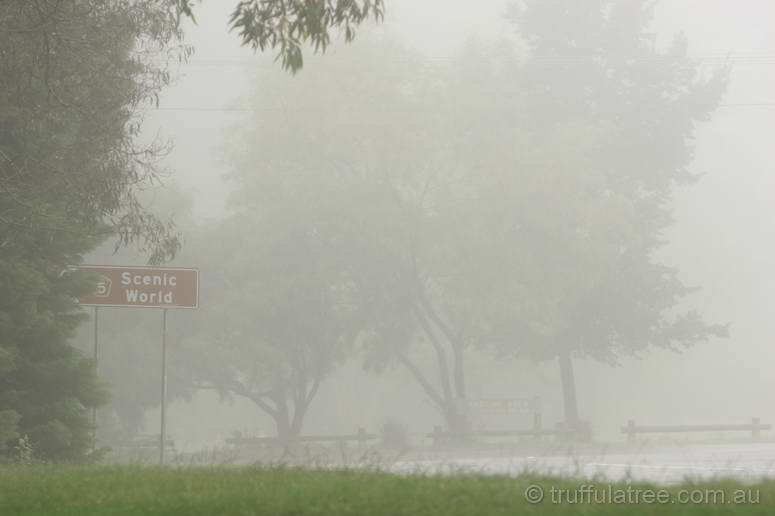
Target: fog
(721,238)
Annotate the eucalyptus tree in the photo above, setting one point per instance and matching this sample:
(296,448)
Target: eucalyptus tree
(286,25)
(75,77)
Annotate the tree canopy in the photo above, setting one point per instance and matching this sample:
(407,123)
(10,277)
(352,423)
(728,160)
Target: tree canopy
(609,120)
(75,77)
(286,25)
(278,310)
(513,203)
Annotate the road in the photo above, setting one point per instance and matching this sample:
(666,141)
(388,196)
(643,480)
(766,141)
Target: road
(663,463)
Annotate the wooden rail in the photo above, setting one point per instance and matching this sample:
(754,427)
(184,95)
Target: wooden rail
(361,436)
(755,427)
(144,443)
(440,435)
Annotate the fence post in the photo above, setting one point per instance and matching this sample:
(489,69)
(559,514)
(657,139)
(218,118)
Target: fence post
(437,435)
(361,437)
(631,430)
(756,429)
(537,424)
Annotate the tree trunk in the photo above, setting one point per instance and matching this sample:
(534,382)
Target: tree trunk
(283,427)
(460,376)
(299,411)
(282,421)
(287,428)
(460,422)
(289,415)
(568,390)
(447,404)
(457,423)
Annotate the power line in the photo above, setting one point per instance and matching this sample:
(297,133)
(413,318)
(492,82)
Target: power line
(748,104)
(754,58)
(260,110)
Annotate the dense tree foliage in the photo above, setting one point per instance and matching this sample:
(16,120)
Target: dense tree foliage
(610,119)
(74,79)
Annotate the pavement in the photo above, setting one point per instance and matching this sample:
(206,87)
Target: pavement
(663,463)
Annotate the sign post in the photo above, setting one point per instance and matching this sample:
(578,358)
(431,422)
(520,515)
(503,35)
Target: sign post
(143,287)
(96,356)
(163,433)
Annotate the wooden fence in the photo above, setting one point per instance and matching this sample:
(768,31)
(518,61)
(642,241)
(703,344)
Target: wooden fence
(361,437)
(755,427)
(441,436)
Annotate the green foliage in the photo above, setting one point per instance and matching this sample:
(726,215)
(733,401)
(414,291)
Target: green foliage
(287,25)
(23,452)
(9,420)
(51,385)
(74,76)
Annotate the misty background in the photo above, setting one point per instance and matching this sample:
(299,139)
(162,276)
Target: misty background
(722,238)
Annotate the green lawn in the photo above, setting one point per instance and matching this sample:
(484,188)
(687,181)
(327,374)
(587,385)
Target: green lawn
(54,491)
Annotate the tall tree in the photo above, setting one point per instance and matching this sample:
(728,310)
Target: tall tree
(278,308)
(609,120)
(75,76)
(376,131)
(76,80)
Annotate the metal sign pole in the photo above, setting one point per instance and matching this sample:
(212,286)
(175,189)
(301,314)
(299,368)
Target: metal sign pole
(163,433)
(96,356)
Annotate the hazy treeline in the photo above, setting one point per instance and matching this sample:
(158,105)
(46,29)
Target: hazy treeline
(73,76)
(504,204)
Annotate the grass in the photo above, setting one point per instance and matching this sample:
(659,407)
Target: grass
(139,491)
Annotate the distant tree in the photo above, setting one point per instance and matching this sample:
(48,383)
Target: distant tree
(605,122)
(286,25)
(278,311)
(74,79)
(376,135)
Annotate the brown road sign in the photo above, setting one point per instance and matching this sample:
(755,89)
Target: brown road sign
(148,287)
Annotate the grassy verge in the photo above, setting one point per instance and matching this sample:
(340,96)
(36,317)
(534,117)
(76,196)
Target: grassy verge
(59,491)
